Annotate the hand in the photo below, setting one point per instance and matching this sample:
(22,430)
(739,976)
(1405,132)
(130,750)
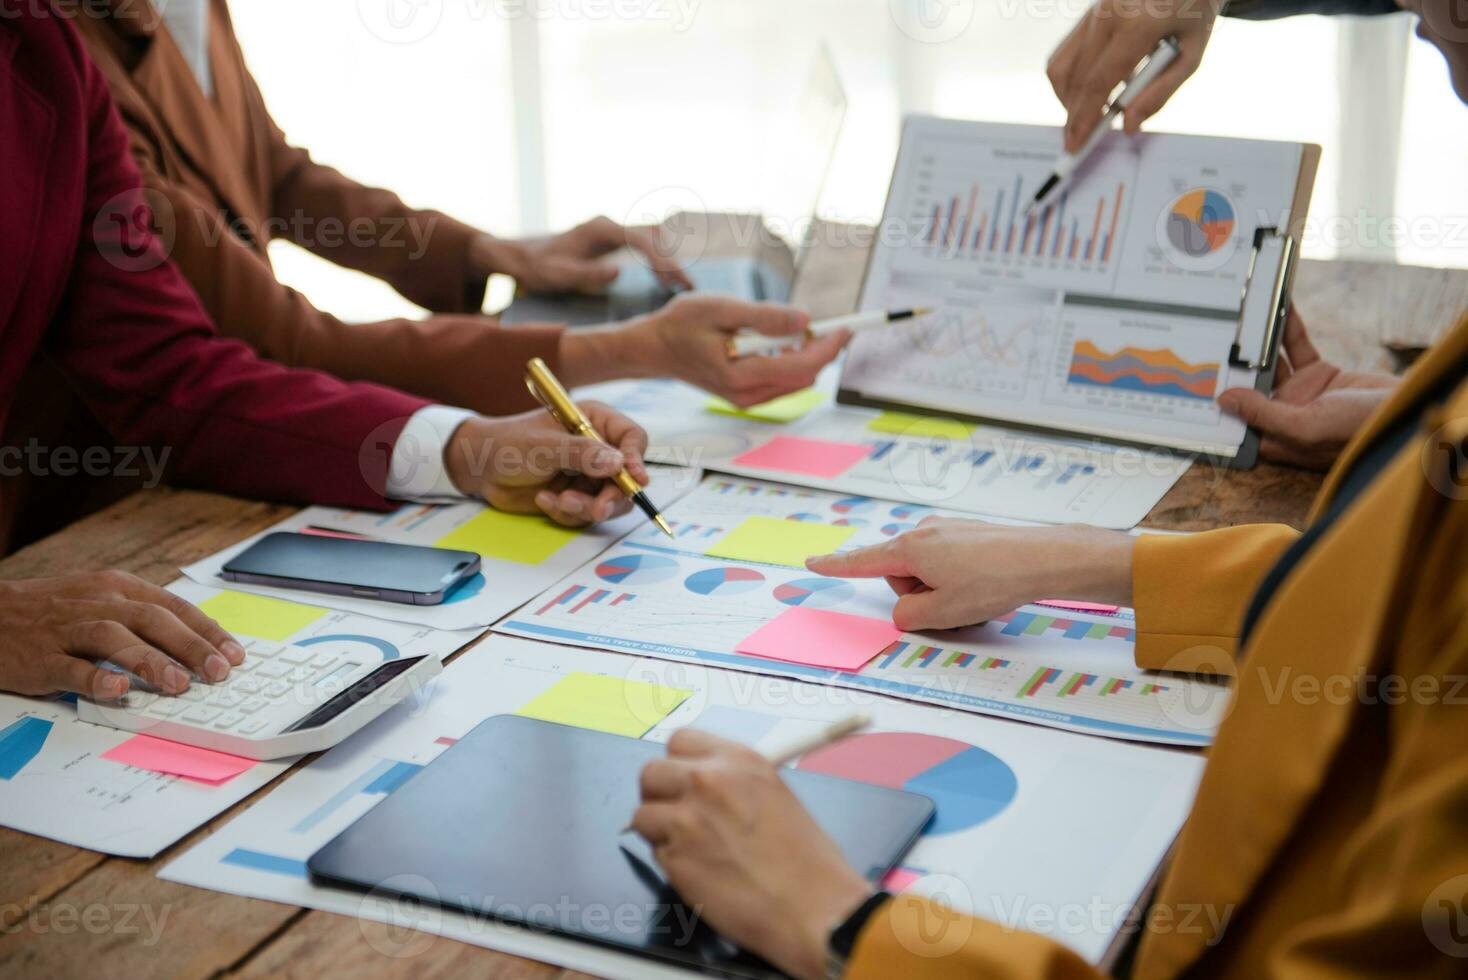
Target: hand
(952,573)
(527,463)
(1316,407)
(573,261)
(687,338)
(54,631)
(738,846)
(1105,48)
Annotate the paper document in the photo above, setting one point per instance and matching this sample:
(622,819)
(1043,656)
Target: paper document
(1028,821)
(110,790)
(983,470)
(1110,311)
(675,599)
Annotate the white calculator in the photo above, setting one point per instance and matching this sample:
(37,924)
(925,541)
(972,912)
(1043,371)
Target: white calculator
(281,701)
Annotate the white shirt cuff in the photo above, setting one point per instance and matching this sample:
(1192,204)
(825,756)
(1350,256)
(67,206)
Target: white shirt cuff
(416,470)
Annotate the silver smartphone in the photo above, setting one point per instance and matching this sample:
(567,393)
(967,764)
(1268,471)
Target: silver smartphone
(405,573)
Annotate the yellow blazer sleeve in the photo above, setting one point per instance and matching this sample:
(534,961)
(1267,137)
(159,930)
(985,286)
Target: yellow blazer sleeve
(1191,591)
(915,939)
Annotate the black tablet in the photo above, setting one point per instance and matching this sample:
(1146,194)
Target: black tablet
(519,821)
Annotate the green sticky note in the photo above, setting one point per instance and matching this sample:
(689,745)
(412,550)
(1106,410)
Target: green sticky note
(786,408)
(776,541)
(525,538)
(260,616)
(920,426)
(605,704)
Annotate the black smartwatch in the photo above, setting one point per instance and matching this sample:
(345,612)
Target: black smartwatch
(842,941)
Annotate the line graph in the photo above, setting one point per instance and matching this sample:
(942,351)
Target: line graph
(1157,371)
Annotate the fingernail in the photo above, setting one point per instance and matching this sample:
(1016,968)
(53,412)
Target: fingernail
(112,685)
(216,668)
(545,500)
(571,505)
(174,678)
(233,652)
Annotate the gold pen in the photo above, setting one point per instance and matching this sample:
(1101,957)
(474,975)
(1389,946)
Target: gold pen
(549,391)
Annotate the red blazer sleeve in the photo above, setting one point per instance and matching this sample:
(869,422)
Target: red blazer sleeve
(140,349)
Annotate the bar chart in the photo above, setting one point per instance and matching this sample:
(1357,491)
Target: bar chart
(1055,232)
(966,215)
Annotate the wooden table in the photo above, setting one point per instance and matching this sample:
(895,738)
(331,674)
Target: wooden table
(46,888)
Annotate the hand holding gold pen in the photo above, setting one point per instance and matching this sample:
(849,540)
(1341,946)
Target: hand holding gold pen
(549,391)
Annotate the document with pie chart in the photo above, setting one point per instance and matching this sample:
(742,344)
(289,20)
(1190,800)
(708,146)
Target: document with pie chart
(1111,312)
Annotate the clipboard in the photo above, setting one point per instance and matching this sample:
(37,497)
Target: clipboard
(1263,306)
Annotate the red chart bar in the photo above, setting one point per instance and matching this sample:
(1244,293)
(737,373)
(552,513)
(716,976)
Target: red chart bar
(933,228)
(968,216)
(952,211)
(1111,235)
(596,596)
(558,600)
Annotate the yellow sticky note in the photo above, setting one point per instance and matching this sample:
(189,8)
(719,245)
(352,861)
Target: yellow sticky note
(260,616)
(786,408)
(605,704)
(920,426)
(775,541)
(525,538)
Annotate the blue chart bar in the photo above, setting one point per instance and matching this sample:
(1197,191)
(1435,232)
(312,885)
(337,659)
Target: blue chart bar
(882,449)
(386,776)
(260,861)
(21,742)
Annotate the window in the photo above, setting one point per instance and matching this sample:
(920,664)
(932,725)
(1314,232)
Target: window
(642,104)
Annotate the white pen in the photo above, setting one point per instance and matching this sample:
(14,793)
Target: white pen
(1156,62)
(798,747)
(746,344)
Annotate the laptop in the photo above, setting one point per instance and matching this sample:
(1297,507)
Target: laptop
(769,273)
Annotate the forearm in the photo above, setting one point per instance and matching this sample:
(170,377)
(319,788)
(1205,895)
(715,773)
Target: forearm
(592,355)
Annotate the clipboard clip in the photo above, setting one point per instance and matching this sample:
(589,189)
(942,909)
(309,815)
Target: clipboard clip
(1264,303)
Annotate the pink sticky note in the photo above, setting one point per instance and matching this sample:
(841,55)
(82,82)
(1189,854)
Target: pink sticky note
(812,457)
(821,638)
(898,879)
(1078,606)
(177,759)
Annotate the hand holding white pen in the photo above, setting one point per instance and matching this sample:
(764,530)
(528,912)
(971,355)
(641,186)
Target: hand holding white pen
(749,344)
(785,754)
(1162,56)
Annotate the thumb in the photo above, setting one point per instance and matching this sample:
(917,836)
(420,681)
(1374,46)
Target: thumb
(876,561)
(1259,410)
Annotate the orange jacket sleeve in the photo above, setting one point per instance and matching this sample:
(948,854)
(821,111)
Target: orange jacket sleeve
(1191,592)
(913,938)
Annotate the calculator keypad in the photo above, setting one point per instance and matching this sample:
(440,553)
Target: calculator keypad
(257,696)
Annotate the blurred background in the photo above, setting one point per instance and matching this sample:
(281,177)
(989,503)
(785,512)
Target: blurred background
(523,116)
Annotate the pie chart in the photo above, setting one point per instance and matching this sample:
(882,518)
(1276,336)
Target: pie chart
(966,784)
(815,593)
(892,530)
(904,512)
(1200,222)
(853,505)
(636,569)
(726,581)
